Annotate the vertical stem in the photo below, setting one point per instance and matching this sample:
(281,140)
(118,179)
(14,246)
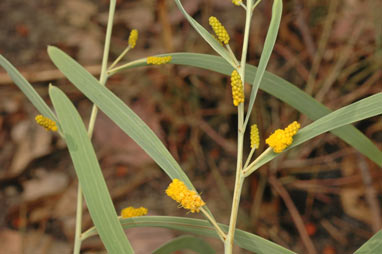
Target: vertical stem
(228,244)
(77,238)
(93,116)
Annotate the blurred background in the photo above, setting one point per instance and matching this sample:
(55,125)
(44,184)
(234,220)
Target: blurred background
(321,197)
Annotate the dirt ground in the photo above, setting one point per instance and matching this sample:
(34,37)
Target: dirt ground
(331,49)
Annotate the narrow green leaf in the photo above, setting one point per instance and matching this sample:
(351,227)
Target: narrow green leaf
(119,112)
(27,89)
(357,111)
(89,174)
(281,89)
(269,43)
(243,239)
(372,246)
(206,35)
(185,242)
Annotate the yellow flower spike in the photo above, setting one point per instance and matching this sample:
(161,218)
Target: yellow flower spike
(281,139)
(158,59)
(133,38)
(255,139)
(292,129)
(219,30)
(130,211)
(237,88)
(188,199)
(46,122)
(237,2)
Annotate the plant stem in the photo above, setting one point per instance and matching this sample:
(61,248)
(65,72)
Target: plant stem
(220,232)
(232,55)
(119,57)
(135,63)
(93,116)
(254,6)
(77,238)
(249,157)
(228,244)
(250,169)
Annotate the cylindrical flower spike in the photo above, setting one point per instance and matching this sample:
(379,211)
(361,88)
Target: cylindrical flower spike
(237,2)
(158,59)
(219,30)
(188,199)
(130,211)
(237,88)
(281,139)
(255,139)
(133,38)
(47,123)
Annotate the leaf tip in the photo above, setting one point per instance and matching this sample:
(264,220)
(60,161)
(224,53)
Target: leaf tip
(51,49)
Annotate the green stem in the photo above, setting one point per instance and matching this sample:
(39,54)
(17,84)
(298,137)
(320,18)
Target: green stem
(93,116)
(251,168)
(220,232)
(119,57)
(135,63)
(228,244)
(254,6)
(232,55)
(249,157)
(77,238)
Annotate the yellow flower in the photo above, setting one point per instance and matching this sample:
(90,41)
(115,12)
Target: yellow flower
(188,199)
(281,139)
(130,211)
(133,38)
(158,59)
(47,123)
(255,139)
(237,2)
(219,30)
(237,88)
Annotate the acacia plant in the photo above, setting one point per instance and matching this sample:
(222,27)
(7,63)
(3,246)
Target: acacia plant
(66,121)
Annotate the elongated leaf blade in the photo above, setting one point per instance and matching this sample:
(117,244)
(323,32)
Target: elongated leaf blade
(243,239)
(269,43)
(281,89)
(373,245)
(185,242)
(89,174)
(27,89)
(119,112)
(206,35)
(357,111)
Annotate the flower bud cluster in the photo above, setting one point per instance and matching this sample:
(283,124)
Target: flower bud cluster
(133,38)
(219,30)
(237,88)
(47,123)
(158,59)
(281,139)
(188,199)
(255,139)
(130,211)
